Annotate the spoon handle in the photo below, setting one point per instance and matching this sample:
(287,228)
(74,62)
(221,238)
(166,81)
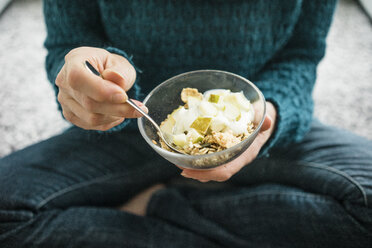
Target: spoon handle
(131,103)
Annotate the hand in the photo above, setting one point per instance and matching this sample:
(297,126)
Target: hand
(92,102)
(224,172)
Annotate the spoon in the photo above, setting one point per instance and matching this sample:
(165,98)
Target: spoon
(131,103)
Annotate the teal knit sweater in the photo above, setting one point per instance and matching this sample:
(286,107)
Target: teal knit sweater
(274,43)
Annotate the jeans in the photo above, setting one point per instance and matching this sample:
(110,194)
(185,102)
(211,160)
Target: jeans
(63,192)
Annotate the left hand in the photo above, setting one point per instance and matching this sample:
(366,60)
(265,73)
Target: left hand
(226,171)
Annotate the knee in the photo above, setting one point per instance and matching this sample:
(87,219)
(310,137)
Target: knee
(16,185)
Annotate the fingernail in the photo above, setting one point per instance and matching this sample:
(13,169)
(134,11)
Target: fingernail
(118,98)
(138,114)
(144,108)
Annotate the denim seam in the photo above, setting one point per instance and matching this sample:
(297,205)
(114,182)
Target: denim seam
(266,193)
(77,186)
(340,173)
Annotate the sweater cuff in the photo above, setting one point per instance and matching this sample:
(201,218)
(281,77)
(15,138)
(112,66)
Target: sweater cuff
(292,120)
(280,123)
(133,93)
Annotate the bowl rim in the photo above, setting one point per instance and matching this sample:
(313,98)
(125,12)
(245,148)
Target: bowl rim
(179,155)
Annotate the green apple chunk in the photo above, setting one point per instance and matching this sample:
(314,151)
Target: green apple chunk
(218,124)
(194,136)
(213,98)
(193,102)
(168,125)
(239,100)
(231,111)
(201,124)
(180,139)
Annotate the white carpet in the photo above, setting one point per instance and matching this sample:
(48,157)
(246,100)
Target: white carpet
(28,112)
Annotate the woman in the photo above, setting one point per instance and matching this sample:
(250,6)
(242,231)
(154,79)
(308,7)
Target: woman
(300,184)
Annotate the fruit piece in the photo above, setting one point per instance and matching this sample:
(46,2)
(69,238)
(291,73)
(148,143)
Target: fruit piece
(184,118)
(180,139)
(243,101)
(218,124)
(231,112)
(178,116)
(239,100)
(175,111)
(194,136)
(213,98)
(219,92)
(201,124)
(167,125)
(207,108)
(220,105)
(193,102)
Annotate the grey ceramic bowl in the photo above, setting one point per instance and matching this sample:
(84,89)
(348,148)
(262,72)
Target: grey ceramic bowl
(166,97)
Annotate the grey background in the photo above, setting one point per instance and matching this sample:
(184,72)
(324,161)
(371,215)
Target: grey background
(3,4)
(28,112)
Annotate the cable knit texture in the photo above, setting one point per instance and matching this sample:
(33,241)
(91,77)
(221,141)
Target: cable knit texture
(276,44)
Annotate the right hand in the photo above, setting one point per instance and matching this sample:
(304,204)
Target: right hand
(92,102)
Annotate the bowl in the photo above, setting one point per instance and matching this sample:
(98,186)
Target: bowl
(162,100)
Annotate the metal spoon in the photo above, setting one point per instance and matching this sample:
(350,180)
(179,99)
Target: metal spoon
(131,103)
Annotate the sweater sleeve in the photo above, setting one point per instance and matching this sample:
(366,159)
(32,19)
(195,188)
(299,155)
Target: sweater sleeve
(288,79)
(71,24)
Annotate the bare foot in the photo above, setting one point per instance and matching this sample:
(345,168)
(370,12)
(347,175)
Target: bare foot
(138,204)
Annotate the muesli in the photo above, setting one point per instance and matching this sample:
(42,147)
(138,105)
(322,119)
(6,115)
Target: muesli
(209,122)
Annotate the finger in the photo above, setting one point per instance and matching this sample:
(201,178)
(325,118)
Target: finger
(106,127)
(61,78)
(81,79)
(119,110)
(123,110)
(113,75)
(114,109)
(120,71)
(90,119)
(142,106)
(75,120)
(221,173)
(180,167)
(266,123)
(226,171)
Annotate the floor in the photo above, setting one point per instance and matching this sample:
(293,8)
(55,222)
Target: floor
(28,112)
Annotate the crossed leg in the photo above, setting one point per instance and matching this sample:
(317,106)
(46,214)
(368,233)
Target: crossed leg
(61,193)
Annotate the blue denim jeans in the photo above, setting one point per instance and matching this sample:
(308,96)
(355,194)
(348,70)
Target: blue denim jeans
(63,192)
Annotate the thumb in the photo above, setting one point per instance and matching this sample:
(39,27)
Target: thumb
(113,75)
(119,71)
